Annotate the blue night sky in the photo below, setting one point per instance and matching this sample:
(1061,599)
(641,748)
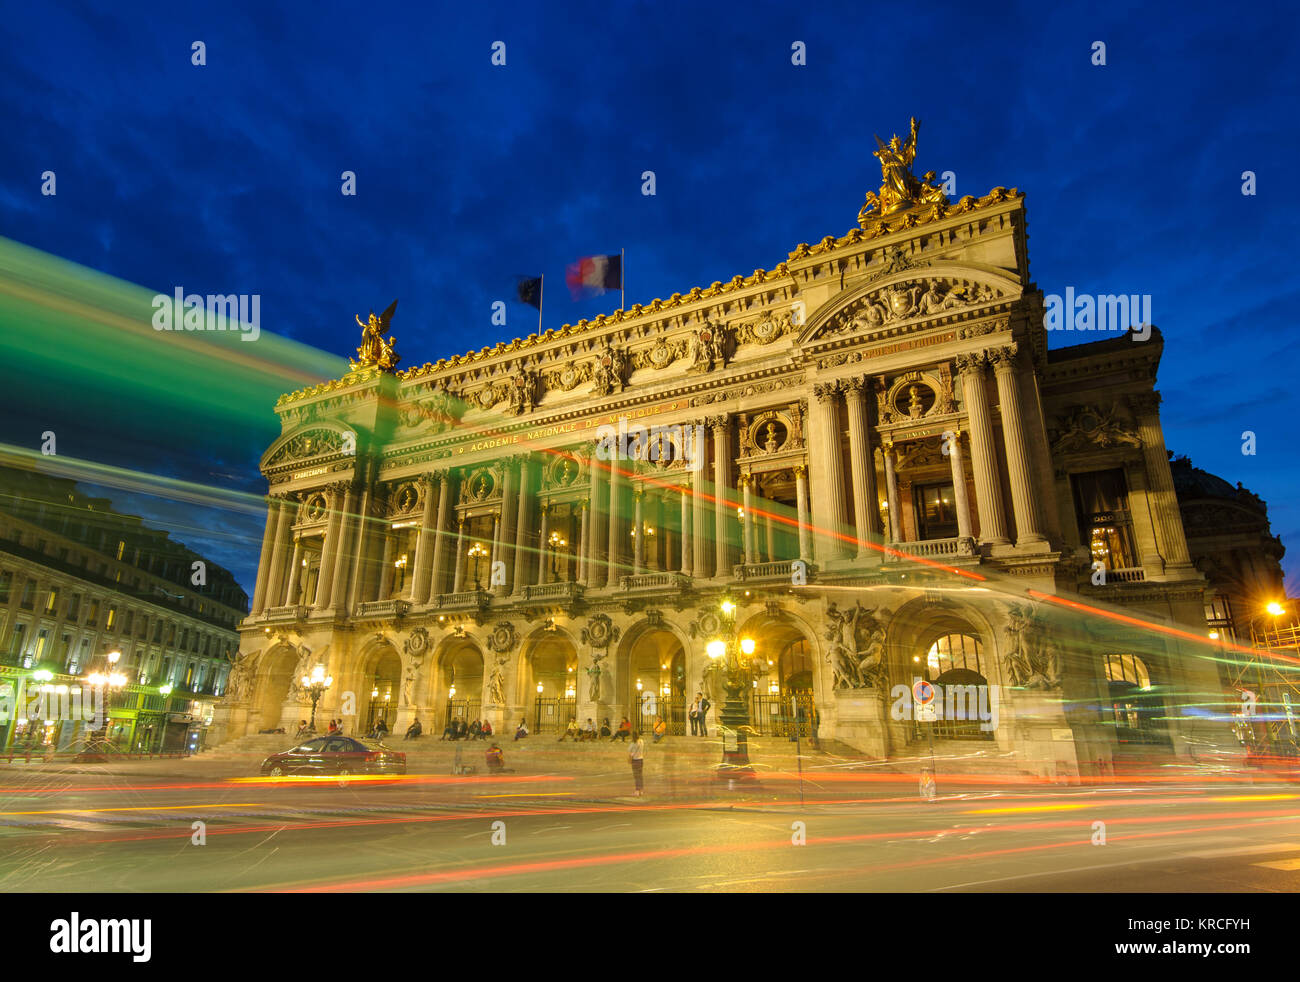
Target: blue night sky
(226,178)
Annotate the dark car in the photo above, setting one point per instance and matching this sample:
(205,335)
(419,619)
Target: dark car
(336,755)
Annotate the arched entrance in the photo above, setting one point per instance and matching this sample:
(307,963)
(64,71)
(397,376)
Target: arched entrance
(381,688)
(955,663)
(653,678)
(1136,710)
(782,697)
(548,682)
(460,681)
(273,683)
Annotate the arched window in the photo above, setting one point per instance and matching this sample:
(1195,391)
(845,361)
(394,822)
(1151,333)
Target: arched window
(954,651)
(1135,709)
(955,663)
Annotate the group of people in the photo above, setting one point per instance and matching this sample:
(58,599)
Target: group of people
(305,729)
(698,715)
(458,729)
(589,732)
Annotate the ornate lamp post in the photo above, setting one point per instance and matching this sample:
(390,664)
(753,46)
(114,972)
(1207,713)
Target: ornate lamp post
(476,552)
(736,657)
(315,685)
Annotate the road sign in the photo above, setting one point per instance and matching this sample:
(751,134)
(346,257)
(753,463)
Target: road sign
(922,692)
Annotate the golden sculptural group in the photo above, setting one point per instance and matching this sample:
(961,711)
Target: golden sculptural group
(374,350)
(900,189)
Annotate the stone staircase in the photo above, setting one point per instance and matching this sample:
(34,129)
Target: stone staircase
(255,747)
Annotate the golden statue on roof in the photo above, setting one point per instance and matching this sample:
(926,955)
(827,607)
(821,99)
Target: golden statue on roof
(374,350)
(899,187)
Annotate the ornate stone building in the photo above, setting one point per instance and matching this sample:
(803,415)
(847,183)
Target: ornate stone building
(869,449)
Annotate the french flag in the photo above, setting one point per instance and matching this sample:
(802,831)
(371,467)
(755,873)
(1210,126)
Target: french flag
(591,276)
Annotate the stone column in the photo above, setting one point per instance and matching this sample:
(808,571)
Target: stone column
(494,552)
(458,577)
(699,541)
(831,515)
(721,487)
(544,546)
(594,529)
(801,497)
(747,504)
(966,545)
(638,532)
(866,509)
(615,550)
(580,546)
(295,564)
(423,569)
(386,570)
(522,563)
(891,492)
(361,549)
(685,540)
(505,529)
(1160,482)
(984,461)
(1023,500)
(346,554)
(264,558)
(769,524)
(276,583)
(330,547)
(437,582)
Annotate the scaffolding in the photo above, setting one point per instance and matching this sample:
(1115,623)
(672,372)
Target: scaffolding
(1268,683)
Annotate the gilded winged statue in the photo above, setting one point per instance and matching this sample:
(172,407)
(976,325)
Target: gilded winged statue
(374,349)
(899,187)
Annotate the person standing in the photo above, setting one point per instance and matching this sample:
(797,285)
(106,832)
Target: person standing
(694,715)
(636,757)
(704,715)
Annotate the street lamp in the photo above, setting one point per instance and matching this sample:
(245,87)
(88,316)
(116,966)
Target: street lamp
(476,552)
(556,542)
(736,657)
(316,683)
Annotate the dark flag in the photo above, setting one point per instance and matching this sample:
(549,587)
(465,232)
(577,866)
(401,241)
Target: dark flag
(529,291)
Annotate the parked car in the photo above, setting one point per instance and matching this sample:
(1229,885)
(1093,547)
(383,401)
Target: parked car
(336,755)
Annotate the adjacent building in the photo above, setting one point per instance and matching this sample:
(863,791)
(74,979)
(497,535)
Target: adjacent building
(86,590)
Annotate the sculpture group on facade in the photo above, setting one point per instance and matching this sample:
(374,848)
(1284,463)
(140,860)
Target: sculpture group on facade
(856,649)
(374,350)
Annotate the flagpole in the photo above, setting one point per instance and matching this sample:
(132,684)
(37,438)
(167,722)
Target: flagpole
(541,290)
(622,279)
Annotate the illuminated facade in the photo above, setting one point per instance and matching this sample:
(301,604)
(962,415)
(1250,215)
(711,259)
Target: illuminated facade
(869,449)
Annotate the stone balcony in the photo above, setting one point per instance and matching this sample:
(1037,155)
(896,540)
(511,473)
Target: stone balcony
(285,614)
(465,600)
(1133,574)
(382,609)
(943,550)
(781,570)
(562,592)
(653,582)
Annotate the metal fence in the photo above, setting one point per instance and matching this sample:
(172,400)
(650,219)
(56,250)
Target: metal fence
(781,715)
(553,715)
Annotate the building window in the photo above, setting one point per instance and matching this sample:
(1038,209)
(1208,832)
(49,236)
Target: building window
(92,618)
(121,547)
(954,651)
(955,663)
(1218,615)
(74,607)
(29,594)
(936,512)
(6,582)
(112,617)
(16,640)
(1101,505)
(1135,709)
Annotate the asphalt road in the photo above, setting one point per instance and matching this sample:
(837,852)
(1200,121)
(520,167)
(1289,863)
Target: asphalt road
(68,832)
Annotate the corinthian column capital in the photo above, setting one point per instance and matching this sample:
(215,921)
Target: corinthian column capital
(1004,356)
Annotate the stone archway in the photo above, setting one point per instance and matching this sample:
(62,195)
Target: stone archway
(546,683)
(948,643)
(786,675)
(379,692)
(273,690)
(456,683)
(654,676)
